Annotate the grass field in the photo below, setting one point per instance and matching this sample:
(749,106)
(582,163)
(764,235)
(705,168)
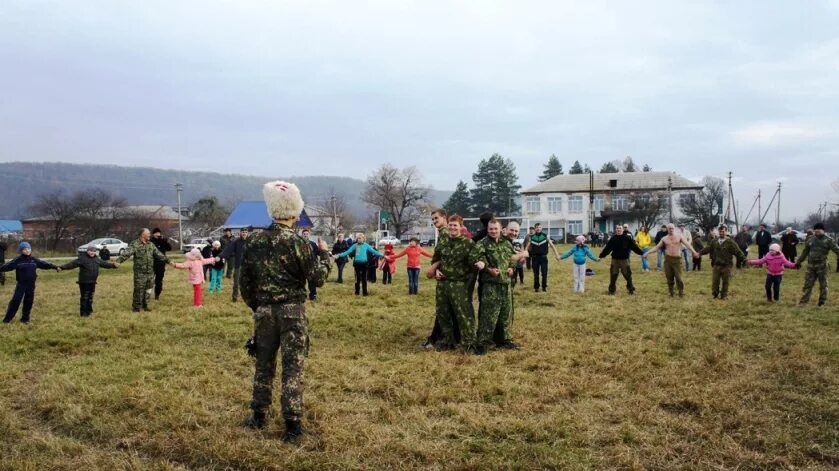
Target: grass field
(629,382)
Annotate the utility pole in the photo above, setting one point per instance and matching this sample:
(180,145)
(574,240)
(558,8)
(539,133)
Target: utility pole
(178,189)
(778,209)
(334,218)
(759,216)
(670,196)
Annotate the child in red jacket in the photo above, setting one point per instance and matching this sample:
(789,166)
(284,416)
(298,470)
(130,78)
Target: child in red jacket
(413,251)
(387,266)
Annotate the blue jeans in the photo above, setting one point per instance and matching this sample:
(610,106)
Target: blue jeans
(773,287)
(687,259)
(413,280)
(658,258)
(23,292)
(645,264)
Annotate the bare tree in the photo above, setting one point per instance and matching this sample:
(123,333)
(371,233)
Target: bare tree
(339,215)
(208,213)
(399,192)
(705,208)
(59,210)
(648,208)
(96,212)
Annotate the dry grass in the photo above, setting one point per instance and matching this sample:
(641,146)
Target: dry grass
(641,382)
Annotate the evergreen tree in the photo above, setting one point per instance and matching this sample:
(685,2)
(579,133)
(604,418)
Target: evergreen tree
(586,169)
(609,167)
(495,186)
(647,168)
(629,165)
(576,169)
(552,169)
(458,202)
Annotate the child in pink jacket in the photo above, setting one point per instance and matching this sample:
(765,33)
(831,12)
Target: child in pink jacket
(195,264)
(775,263)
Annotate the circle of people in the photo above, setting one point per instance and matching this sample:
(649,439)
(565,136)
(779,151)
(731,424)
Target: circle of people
(276,269)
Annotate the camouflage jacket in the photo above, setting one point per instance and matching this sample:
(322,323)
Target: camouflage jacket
(144,256)
(816,250)
(276,265)
(723,251)
(498,255)
(457,257)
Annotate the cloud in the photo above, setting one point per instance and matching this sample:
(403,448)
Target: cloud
(778,134)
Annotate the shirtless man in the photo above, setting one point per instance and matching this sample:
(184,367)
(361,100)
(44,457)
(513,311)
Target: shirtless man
(672,244)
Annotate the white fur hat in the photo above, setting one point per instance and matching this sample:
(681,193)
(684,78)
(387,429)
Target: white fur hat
(216,244)
(282,199)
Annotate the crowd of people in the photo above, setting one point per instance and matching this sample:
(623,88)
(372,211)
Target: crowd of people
(276,270)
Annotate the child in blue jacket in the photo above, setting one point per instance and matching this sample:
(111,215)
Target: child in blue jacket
(25,266)
(580,252)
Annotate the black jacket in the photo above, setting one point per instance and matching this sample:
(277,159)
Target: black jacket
(164,246)
(658,236)
(340,247)
(763,239)
(217,253)
(88,267)
(619,247)
(234,250)
(25,267)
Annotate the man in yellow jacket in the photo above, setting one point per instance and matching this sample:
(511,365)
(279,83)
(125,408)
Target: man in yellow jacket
(644,242)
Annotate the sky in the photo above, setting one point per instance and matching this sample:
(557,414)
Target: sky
(280,88)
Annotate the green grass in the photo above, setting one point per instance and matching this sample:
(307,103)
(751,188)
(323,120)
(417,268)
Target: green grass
(641,382)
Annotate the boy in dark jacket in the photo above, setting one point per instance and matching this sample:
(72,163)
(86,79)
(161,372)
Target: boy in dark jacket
(25,266)
(88,266)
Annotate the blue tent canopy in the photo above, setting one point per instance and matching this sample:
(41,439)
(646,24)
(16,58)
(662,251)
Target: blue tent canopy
(255,213)
(10,225)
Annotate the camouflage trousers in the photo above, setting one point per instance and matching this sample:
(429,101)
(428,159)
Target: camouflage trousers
(143,284)
(282,327)
(453,307)
(815,272)
(495,314)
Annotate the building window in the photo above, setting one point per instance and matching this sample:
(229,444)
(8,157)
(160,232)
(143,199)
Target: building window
(554,204)
(534,205)
(575,204)
(599,202)
(620,203)
(686,198)
(575,227)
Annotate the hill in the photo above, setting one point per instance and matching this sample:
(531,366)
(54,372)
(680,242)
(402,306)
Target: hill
(22,182)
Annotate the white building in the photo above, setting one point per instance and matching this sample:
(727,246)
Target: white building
(583,203)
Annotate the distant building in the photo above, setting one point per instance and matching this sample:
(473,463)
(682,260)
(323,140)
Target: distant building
(572,204)
(10,228)
(122,222)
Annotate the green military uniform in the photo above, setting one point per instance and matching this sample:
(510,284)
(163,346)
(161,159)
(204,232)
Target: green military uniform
(457,257)
(145,254)
(496,306)
(816,251)
(276,267)
(722,252)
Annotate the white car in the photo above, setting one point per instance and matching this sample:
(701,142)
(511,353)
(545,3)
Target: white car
(802,236)
(388,240)
(115,246)
(195,244)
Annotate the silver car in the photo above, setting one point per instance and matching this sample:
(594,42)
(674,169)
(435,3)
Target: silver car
(115,246)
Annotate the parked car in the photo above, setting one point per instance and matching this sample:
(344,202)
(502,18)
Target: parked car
(519,241)
(115,246)
(195,244)
(388,240)
(426,242)
(801,235)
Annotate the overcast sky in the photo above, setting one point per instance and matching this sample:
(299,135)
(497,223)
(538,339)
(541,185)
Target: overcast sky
(338,88)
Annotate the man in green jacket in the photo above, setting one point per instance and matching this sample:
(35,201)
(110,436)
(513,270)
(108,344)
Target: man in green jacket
(145,254)
(457,259)
(723,250)
(816,251)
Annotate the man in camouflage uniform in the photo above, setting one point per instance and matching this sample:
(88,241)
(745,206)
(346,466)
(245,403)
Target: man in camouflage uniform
(145,254)
(276,267)
(439,220)
(456,258)
(496,306)
(722,249)
(816,251)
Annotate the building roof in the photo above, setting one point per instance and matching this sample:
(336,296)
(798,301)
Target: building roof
(10,225)
(625,181)
(152,211)
(255,213)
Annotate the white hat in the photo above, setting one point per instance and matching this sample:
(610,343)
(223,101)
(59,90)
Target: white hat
(581,239)
(282,199)
(775,248)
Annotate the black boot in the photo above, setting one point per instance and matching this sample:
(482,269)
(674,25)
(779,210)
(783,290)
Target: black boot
(293,431)
(256,420)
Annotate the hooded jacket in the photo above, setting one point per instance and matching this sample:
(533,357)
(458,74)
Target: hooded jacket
(88,267)
(775,263)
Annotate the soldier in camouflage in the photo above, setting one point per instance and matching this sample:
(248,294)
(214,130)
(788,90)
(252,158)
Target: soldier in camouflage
(496,307)
(457,259)
(722,250)
(439,220)
(145,254)
(276,268)
(816,251)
